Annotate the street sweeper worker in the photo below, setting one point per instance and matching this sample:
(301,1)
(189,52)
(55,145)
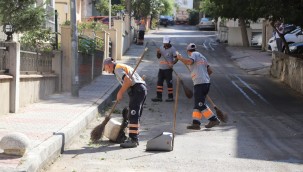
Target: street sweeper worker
(200,71)
(135,86)
(167,58)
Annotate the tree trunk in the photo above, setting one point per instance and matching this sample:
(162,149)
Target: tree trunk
(264,31)
(244,32)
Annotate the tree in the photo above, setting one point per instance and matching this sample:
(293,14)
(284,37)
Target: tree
(274,10)
(289,12)
(143,8)
(102,6)
(23,15)
(234,9)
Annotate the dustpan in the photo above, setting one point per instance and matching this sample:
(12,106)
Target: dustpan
(162,142)
(165,141)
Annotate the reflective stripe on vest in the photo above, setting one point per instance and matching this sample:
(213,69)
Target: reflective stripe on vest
(197,115)
(134,125)
(133,128)
(207,113)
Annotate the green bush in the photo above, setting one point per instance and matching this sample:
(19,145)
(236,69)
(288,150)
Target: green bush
(88,45)
(38,40)
(96,26)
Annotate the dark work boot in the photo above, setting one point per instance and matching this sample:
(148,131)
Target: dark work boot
(194,127)
(212,123)
(169,100)
(129,143)
(156,99)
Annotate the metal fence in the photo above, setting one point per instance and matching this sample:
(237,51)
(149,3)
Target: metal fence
(33,62)
(3,59)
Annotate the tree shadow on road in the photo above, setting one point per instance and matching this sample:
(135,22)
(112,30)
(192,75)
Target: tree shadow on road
(100,146)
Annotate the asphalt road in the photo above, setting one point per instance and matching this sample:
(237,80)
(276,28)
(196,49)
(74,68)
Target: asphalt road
(264,132)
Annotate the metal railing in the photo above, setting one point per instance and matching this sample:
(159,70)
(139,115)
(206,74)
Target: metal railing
(3,59)
(33,62)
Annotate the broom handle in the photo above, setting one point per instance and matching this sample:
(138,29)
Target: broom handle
(113,108)
(175,111)
(172,69)
(207,96)
(141,57)
(210,101)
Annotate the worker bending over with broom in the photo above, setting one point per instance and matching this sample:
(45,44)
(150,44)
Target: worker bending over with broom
(200,71)
(136,88)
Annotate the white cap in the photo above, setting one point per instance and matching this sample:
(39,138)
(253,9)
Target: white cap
(166,39)
(191,46)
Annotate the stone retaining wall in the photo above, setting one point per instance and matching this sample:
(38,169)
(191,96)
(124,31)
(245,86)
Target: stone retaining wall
(288,69)
(4,92)
(36,87)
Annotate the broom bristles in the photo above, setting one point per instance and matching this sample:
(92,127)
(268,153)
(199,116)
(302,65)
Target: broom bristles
(222,117)
(98,131)
(187,91)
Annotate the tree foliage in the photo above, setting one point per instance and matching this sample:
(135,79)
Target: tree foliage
(23,15)
(102,6)
(140,8)
(274,10)
(143,8)
(290,11)
(38,40)
(232,9)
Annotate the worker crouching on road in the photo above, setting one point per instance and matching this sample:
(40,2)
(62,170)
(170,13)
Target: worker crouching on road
(167,58)
(136,88)
(200,71)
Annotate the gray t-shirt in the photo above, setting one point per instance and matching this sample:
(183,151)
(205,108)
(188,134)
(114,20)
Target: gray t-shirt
(121,70)
(142,27)
(198,69)
(167,57)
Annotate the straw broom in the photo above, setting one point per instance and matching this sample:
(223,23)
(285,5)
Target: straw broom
(98,131)
(222,116)
(188,92)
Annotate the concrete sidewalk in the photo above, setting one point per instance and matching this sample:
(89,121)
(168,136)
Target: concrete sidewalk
(251,59)
(52,123)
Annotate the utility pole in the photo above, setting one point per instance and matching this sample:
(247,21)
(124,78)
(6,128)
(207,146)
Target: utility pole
(74,50)
(129,9)
(110,14)
(56,30)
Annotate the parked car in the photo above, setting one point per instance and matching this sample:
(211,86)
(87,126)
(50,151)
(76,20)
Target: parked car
(171,20)
(166,20)
(292,37)
(296,48)
(256,39)
(163,21)
(96,18)
(206,23)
